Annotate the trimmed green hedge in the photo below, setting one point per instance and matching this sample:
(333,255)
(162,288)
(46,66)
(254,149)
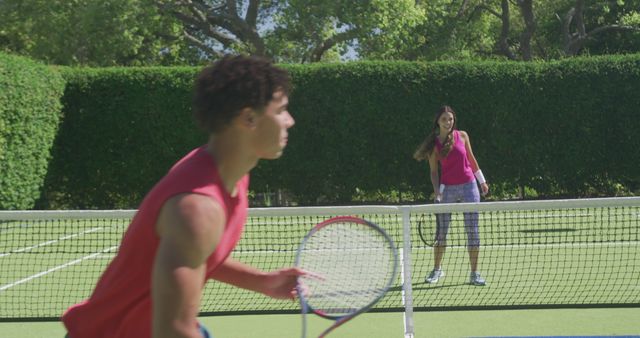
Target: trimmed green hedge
(565,128)
(123,129)
(29,114)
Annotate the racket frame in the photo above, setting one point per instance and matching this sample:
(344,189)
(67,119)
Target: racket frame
(339,320)
(429,239)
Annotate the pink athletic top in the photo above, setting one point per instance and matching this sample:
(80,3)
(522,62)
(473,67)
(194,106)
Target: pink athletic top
(120,306)
(455,168)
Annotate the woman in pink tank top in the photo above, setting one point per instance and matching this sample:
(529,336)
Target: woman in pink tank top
(449,150)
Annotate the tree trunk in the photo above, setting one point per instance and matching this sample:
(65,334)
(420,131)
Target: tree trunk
(573,42)
(526,6)
(503,42)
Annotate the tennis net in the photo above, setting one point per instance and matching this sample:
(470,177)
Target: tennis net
(533,254)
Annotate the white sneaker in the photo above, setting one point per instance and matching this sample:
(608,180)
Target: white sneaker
(476,279)
(434,276)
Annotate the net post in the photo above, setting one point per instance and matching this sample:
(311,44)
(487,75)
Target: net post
(405,256)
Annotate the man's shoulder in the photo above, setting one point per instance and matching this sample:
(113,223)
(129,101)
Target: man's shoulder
(190,203)
(192,211)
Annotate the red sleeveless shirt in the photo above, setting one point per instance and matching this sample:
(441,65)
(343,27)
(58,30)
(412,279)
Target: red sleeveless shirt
(120,305)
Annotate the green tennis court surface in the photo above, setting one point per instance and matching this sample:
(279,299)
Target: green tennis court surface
(536,254)
(511,323)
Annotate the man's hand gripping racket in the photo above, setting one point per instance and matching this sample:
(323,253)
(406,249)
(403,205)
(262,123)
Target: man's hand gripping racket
(350,263)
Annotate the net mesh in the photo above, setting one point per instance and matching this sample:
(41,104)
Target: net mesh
(532,254)
(352,264)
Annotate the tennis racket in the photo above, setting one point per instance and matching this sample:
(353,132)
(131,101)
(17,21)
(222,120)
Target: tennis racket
(351,264)
(427,228)
(428,225)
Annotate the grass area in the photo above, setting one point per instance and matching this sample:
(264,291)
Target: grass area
(528,258)
(564,322)
(574,322)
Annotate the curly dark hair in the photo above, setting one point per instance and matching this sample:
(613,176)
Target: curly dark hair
(233,83)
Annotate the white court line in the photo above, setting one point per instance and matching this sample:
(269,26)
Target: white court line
(51,242)
(40,274)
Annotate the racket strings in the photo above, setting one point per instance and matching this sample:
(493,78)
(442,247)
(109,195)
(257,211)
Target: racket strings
(352,265)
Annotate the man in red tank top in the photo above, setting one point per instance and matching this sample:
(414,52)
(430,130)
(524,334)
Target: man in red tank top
(191,220)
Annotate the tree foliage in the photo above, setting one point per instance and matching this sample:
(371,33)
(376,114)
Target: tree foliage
(161,32)
(520,30)
(293,30)
(91,32)
(219,26)
(316,27)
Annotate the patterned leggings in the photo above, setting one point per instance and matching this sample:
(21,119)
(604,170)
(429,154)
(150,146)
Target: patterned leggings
(467,192)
